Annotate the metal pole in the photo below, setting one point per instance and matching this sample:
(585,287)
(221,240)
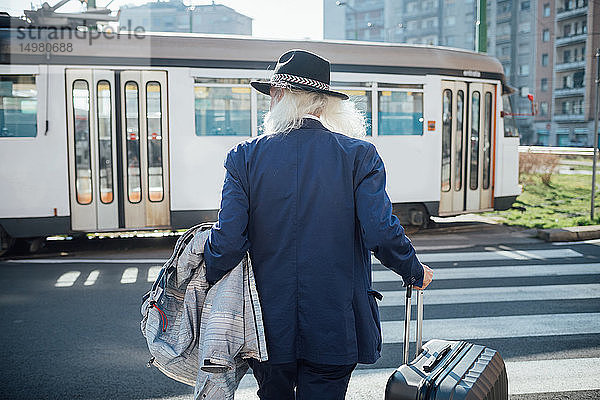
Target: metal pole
(595,132)
(419,323)
(481,27)
(407,325)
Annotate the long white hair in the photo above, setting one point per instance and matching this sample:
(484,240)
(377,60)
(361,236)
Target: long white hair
(337,115)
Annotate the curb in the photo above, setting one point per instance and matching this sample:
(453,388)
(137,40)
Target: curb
(570,234)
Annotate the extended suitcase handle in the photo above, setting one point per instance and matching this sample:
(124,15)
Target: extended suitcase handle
(419,332)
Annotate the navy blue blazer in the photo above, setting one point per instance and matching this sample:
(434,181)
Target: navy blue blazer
(310,205)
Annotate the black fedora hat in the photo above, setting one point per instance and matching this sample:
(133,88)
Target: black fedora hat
(300,69)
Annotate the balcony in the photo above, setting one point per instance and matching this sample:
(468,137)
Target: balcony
(501,39)
(562,14)
(428,12)
(565,40)
(569,117)
(569,66)
(567,91)
(428,30)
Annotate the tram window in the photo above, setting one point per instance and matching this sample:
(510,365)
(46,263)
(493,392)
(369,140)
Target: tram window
(510,128)
(400,113)
(222,110)
(400,86)
(104,112)
(446,139)
(132,126)
(81,122)
(263,103)
(363,100)
(474,162)
(154,129)
(487,140)
(18,106)
(458,142)
(223,81)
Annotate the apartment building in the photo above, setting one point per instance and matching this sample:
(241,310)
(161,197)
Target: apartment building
(566,99)
(174,16)
(511,32)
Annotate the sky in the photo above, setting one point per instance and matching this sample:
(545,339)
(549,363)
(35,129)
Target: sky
(276,19)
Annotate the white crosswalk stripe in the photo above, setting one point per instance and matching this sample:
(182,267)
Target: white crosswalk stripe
(92,277)
(524,377)
(497,294)
(153,273)
(495,255)
(498,327)
(129,275)
(67,279)
(509,271)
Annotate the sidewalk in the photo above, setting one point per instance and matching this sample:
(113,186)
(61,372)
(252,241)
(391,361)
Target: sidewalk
(570,234)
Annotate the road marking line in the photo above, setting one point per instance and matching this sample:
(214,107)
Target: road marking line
(91,279)
(508,271)
(153,273)
(498,327)
(495,255)
(536,376)
(129,275)
(67,279)
(590,241)
(88,261)
(497,294)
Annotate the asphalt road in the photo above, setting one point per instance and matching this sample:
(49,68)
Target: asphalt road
(71,324)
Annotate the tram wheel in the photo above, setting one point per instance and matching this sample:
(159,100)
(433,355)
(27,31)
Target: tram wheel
(7,242)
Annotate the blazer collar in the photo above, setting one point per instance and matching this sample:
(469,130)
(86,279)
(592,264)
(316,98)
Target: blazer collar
(311,123)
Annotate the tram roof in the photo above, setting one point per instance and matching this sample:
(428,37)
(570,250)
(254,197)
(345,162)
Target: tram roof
(228,51)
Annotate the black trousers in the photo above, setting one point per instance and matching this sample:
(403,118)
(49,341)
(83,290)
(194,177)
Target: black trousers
(311,381)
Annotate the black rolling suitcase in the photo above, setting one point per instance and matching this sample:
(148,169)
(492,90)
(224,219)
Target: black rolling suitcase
(446,369)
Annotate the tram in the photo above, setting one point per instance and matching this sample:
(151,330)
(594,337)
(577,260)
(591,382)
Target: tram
(130,131)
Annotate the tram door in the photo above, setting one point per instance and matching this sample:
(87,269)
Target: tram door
(468,111)
(117,149)
(144,147)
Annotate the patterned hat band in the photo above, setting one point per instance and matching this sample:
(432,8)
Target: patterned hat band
(284,80)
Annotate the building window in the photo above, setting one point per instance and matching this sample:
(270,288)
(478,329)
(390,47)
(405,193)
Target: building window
(505,50)
(546,10)
(567,30)
(544,60)
(567,56)
(524,69)
(546,35)
(544,85)
(543,108)
(18,106)
(525,27)
(567,82)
